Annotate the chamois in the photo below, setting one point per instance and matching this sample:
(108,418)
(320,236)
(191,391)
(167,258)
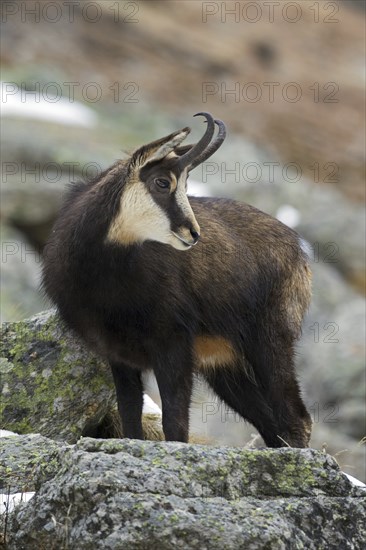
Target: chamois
(150,278)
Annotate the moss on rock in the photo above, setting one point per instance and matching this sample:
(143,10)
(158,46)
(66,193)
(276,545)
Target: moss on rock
(144,494)
(50,384)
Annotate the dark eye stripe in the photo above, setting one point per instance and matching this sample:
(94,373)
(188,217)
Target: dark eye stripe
(162,182)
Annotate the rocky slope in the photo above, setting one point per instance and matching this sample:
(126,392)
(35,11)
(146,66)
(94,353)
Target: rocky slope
(132,494)
(289,79)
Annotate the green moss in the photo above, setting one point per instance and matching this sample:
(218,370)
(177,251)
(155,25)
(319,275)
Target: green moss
(40,355)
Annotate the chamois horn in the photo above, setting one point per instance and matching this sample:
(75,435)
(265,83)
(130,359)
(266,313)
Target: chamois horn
(214,145)
(198,149)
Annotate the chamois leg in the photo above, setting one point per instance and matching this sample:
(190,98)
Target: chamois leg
(233,386)
(276,377)
(175,378)
(129,392)
(288,407)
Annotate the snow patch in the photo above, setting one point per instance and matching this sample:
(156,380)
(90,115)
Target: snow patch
(150,407)
(6,433)
(288,215)
(355,481)
(198,189)
(17,102)
(9,501)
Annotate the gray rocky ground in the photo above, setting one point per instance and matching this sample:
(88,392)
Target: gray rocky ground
(124,494)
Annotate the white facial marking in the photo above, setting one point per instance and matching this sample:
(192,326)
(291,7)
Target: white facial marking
(139,218)
(185,207)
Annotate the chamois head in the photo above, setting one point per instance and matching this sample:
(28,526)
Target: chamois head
(154,204)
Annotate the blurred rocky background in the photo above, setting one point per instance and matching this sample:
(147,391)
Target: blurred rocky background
(82,82)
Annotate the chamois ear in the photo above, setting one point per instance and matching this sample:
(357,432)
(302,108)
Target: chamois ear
(183,149)
(157,150)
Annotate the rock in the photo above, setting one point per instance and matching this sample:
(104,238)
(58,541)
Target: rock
(20,277)
(356,4)
(27,461)
(349,452)
(49,383)
(35,172)
(134,494)
(39,355)
(331,354)
(52,385)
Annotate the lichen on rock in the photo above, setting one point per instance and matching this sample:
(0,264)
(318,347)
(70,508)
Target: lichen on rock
(50,384)
(125,494)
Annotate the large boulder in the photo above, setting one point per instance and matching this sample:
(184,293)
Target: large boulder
(50,384)
(27,461)
(20,276)
(135,495)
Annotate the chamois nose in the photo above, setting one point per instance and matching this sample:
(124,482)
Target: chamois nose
(195,236)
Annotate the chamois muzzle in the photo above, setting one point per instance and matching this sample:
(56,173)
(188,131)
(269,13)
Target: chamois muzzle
(205,148)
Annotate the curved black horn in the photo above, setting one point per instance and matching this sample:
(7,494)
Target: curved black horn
(197,150)
(212,148)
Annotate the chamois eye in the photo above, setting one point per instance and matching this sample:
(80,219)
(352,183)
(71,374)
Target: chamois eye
(163,183)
